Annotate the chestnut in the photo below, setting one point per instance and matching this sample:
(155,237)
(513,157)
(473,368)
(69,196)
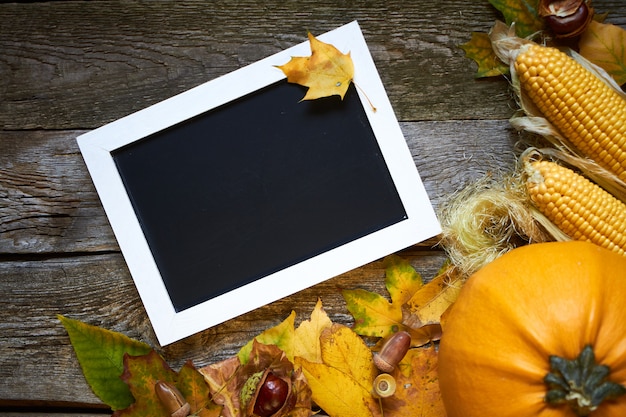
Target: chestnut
(392,352)
(271,396)
(566,18)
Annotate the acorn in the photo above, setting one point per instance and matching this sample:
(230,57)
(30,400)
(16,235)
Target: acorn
(566,18)
(172,399)
(392,352)
(384,386)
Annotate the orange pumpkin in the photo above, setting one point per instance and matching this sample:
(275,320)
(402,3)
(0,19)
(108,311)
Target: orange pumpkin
(525,325)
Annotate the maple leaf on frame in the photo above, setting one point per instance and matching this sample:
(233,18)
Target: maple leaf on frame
(327,72)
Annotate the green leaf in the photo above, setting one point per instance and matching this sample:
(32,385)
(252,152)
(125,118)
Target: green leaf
(479,49)
(281,335)
(100,353)
(141,374)
(523,12)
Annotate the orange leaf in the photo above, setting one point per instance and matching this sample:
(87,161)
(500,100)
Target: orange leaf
(417,393)
(327,72)
(605,45)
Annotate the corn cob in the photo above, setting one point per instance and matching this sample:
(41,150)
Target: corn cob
(578,207)
(587,112)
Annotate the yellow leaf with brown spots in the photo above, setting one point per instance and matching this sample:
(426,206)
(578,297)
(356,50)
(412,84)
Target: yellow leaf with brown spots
(327,72)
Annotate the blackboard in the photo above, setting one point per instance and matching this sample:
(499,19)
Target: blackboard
(256,186)
(236,193)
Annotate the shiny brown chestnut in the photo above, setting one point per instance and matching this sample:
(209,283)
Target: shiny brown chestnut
(271,396)
(392,352)
(172,399)
(566,18)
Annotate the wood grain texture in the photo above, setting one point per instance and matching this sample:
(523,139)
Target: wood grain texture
(37,360)
(122,59)
(48,203)
(70,66)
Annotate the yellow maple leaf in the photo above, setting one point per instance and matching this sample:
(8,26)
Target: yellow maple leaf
(605,45)
(327,72)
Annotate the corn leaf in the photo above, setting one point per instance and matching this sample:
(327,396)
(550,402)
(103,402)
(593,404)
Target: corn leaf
(479,49)
(605,45)
(524,13)
(100,353)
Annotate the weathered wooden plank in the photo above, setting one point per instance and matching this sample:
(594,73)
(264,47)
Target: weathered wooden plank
(125,58)
(116,60)
(48,203)
(36,358)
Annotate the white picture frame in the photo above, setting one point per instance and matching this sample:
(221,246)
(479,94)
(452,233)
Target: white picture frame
(170,324)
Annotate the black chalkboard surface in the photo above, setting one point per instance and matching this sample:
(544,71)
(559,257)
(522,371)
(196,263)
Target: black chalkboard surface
(255,186)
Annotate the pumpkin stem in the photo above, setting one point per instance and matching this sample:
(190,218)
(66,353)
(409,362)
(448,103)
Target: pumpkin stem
(581,382)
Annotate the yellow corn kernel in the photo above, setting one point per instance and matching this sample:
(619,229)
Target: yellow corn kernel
(587,112)
(578,207)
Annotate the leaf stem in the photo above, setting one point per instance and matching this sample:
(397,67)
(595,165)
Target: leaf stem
(580,383)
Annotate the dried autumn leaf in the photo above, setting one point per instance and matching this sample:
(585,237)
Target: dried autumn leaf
(417,393)
(141,374)
(432,300)
(524,13)
(373,314)
(327,72)
(480,50)
(307,336)
(194,388)
(342,384)
(234,385)
(605,45)
(224,387)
